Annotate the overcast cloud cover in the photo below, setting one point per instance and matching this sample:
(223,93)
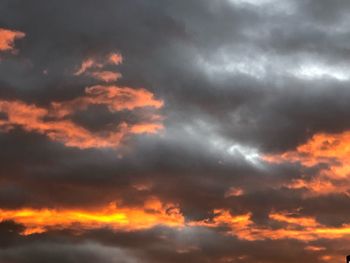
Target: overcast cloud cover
(174,131)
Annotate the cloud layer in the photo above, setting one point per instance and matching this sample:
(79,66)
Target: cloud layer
(174,131)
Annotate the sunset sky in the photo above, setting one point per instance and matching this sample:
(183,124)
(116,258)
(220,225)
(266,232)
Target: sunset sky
(174,131)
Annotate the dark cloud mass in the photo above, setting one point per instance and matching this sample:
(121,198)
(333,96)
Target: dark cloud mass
(174,131)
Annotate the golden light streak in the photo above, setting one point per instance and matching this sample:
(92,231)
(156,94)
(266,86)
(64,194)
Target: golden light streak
(155,213)
(40,220)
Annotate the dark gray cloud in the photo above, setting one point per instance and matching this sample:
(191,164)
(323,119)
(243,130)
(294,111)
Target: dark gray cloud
(239,79)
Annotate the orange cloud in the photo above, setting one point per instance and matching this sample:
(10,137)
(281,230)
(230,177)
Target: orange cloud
(146,128)
(31,118)
(89,63)
(106,76)
(55,121)
(115,58)
(295,227)
(85,65)
(330,149)
(153,213)
(319,185)
(7,38)
(114,97)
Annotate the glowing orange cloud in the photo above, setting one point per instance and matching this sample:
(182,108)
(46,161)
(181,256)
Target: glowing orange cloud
(146,128)
(319,185)
(239,224)
(151,214)
(85,65)
(7,38)
(31,118)
(296,227)
(89,63)
(106,76)
(55,121)
(115,58)
(154,213)
(330,149)
(114,97)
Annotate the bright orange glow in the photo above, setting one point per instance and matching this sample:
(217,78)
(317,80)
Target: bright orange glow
(32,118)
(153,213)
(7,38)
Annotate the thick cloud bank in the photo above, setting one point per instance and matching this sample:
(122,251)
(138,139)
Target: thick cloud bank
(174,131)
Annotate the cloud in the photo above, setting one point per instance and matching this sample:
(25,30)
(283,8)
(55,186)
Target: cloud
(8,37)
(152,213)
(115,58)
(59,128)
(328,149)
(85,65)
(106,76)
(242,125)
(91,63)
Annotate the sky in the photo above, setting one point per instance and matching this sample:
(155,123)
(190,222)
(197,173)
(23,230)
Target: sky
(162,131)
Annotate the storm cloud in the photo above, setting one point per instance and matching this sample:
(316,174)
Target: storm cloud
(174,131)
